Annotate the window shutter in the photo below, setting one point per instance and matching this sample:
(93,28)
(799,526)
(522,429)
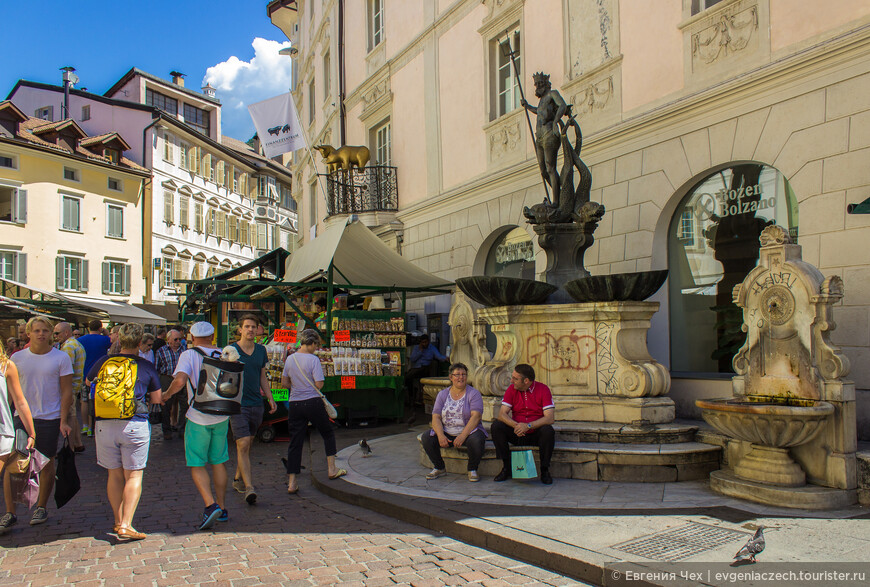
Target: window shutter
(58,263)
(106,287)
(19,206)
(206,165)
(83,275)
(184,211)
(125,283)
(220,173)
(168,207)
(243,184)
(22,268)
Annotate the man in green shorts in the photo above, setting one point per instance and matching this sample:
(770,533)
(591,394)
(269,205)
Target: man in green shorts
(205,435)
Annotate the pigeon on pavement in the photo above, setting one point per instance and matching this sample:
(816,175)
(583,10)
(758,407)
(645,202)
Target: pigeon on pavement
(753,546)
(365,448)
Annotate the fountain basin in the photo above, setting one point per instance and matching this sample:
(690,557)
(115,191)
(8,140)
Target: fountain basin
(768,424)
(505,291)
(616,288)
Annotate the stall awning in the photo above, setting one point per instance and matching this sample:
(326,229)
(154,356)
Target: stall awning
(360,258)
(118,311)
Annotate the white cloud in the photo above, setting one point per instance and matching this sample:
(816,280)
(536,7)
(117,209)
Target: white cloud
(239,83)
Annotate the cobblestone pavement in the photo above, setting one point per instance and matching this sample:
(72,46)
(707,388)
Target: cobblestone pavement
(307,539)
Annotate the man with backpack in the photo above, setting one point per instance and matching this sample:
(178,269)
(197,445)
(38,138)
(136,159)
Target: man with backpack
(121,384)
(255,386)
(205,435)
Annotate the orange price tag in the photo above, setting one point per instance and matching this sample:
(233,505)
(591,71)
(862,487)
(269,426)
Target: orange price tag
(342,335)
(285,336)
(348,382)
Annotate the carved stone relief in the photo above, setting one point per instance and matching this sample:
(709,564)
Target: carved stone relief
(372,97)
(592,38)
(504,139)
(728,34)
(595,96)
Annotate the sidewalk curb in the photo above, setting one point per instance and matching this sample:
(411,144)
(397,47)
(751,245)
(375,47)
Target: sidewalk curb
(531,548)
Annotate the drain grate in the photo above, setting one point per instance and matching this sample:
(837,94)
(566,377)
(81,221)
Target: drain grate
(680,543)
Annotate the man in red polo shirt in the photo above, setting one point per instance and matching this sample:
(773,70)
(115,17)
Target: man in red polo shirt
(526,419)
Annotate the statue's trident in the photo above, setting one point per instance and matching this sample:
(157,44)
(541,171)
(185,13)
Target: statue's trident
(510,53)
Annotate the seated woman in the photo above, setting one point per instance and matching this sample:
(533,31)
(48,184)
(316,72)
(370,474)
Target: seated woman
(456,420)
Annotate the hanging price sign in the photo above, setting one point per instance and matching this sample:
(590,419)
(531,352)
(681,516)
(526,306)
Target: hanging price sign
(342,335)
(348,382)
(281,395)
(288,336)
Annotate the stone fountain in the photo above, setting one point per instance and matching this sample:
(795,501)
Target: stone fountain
(792,417)
(584,335)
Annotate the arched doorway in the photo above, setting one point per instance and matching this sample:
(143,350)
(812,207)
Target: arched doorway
(512,254)
(712,245)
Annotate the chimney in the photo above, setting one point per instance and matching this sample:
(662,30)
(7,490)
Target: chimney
(208,90)
(177,78)
(69,80)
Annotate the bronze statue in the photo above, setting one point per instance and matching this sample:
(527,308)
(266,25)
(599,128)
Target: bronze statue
(344,158)
(568,204)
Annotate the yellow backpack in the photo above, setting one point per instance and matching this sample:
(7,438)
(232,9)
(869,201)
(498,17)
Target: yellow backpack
(115,389)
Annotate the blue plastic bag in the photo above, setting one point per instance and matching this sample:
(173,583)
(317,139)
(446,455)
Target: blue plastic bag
(523,464)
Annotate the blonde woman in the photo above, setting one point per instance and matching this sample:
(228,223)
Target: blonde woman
(10,388)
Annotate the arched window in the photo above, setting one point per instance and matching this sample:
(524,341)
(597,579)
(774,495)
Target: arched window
(712,245)
(511,255)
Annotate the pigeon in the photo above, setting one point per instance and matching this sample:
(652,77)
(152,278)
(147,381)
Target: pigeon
(365,448)
(753,546)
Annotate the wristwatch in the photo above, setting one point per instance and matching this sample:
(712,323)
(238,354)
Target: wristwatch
(529,424)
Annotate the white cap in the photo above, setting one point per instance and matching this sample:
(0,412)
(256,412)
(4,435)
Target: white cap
(201,329)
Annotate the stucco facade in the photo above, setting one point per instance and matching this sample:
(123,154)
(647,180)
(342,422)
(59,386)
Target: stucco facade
(665,99)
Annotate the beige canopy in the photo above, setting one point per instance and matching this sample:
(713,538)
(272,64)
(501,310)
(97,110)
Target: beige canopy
(359,258)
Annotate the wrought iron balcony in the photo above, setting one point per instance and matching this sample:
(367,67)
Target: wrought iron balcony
(355,192)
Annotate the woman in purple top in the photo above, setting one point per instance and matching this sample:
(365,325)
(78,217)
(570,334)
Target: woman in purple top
(303,376)
(456,421)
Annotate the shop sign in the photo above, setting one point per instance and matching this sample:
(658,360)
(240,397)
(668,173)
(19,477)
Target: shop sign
(348,382)
(724,203)
(513,252)
(288,336)
(341,335)
(281,395)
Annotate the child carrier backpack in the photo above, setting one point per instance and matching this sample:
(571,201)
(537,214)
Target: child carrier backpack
(115,389)
(219,388)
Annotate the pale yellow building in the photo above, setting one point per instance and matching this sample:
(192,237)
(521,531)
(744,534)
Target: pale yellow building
(703,120)
(70,209)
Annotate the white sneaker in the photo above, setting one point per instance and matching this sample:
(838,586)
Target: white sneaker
(473,477)
(435,473)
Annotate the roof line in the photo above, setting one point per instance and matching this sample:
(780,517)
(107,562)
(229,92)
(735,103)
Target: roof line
(65,153)
(80,93)
(136,71)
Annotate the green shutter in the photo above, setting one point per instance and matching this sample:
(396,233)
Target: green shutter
(58,263)
(19,206)
(83,276)
(106,288)
(125,280)
(22,268)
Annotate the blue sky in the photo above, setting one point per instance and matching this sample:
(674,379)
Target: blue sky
(104,39)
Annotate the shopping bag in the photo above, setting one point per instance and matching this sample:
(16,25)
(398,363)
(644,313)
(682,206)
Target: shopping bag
(523,464)
(67,482)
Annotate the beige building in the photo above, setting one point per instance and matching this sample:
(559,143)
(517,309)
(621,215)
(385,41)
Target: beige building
(703,121)
(70,209)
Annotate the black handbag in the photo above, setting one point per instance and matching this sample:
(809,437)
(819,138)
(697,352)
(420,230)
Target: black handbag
(67,482)
(21,439)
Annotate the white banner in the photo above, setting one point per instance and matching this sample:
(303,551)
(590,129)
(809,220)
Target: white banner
(277,125)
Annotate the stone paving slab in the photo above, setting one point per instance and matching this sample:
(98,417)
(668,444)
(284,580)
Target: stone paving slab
(581,528)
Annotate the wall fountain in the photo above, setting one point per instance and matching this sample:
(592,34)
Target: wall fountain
(792,417)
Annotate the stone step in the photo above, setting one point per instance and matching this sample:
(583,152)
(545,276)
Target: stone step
(604,461)
(670,433)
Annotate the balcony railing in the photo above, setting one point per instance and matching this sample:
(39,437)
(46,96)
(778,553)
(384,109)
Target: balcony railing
(354,192)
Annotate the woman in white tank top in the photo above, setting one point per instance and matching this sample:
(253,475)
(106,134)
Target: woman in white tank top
(10,394)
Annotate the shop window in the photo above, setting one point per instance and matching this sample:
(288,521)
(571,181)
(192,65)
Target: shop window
(511,255)
(712,245)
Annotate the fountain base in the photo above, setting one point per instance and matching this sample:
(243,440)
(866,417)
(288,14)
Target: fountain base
(809,497)
(774,466)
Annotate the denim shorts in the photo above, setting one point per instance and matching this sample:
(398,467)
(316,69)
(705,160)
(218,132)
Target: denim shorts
(246,423)
(123,444)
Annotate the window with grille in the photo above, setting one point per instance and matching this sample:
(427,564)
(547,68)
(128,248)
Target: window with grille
(197,118)
(70,213)
(507,94)
(161,102)
(114,221)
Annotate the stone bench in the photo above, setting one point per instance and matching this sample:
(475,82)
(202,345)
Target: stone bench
(602,461)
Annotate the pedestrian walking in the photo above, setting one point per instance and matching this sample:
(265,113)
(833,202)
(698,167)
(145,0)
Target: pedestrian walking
(166,359)
(145,347)
(96,345)
(255,386)
(76,352)
(123,436)
(205,435)
(46,380)
(303,376)
(10,389)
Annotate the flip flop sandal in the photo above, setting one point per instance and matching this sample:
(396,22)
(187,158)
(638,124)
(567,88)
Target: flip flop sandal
(339,473)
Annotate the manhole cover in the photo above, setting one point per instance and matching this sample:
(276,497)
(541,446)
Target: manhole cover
(680,543)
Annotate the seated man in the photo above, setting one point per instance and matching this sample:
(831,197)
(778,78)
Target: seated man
(525,419)
(424,360)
